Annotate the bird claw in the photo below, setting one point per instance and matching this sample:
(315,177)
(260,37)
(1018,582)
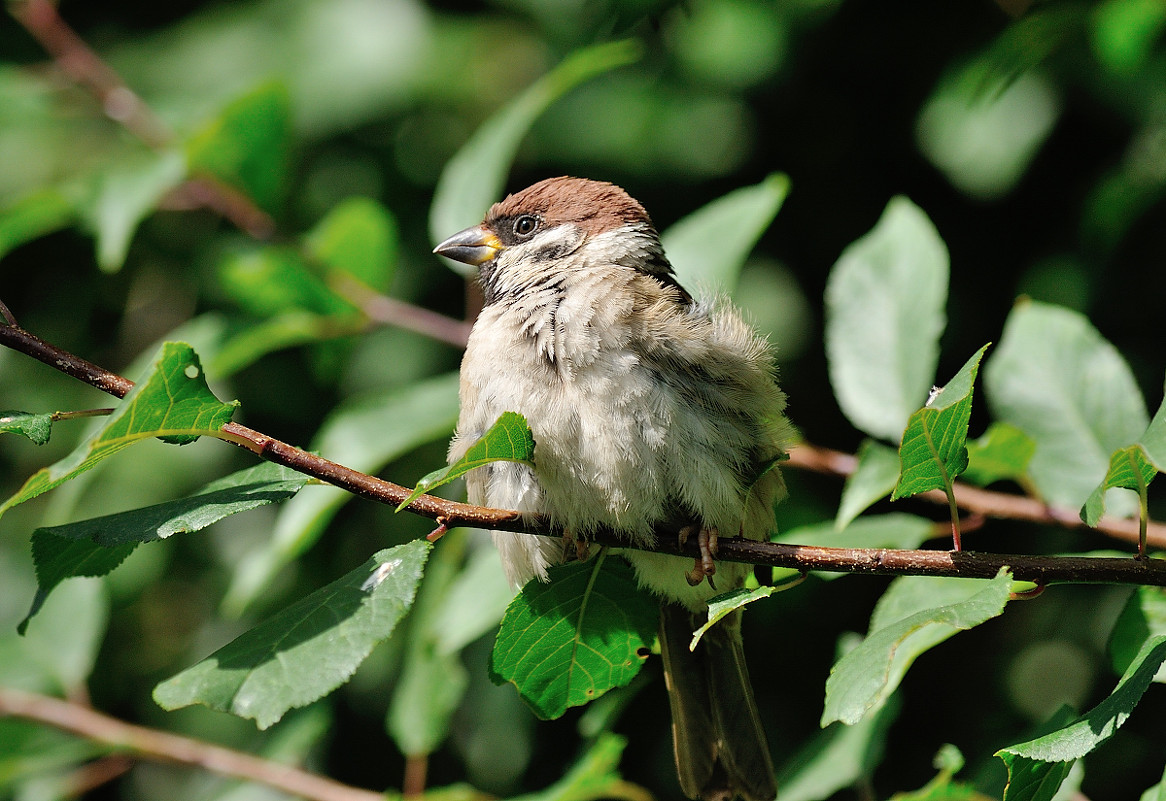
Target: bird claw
(580,546)
(704,566)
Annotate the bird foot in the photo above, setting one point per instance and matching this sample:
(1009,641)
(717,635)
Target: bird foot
(578,547)
(703,567)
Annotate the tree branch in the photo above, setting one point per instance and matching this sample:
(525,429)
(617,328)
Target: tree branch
(1040,569)
(161,746)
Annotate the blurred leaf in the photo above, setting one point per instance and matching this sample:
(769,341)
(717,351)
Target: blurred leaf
(96,546)
(1003,452)
(62,649)
(29,749)
(863,679)
(1124,33)
(124,194)
(37,427)
(308,649)
(365,434)
(172,400)
(568,641)
(1144,617)
(287,329)
(1058,381)
(1128,469)
(1153,441)
(359,238)
(1157,792)
(708,248)
(934,452)
(875,475)
(1096,726)
(595,776)
(508,440)
(475,603)
(948,762)
(248,144)
(270,280)
(34,215)
(475,176)
(837,757)
(884,314)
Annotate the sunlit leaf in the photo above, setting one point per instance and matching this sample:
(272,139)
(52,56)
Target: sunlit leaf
(37,427)
(863,679)
(508,440)
(725,603)
(172,400)
(34,215)
(475,176)
(934,453)
(1144,617)
(874,477)
(1128,469)
(359,237)
(308,649)
(570,640)
(884,313)
(1003,452)
(271,280)
(708,248)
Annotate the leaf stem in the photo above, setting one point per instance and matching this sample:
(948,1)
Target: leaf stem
(78,413)
(954,508)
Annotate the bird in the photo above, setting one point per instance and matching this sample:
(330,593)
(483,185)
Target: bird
(651,410)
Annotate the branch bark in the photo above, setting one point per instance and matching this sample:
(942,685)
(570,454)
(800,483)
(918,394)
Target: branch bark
(161,746)
(967,564)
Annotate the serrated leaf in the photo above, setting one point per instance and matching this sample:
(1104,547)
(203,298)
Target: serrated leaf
(1056,379)
(884,313)
(725,603)
(308,649)
(1143,617)
(172,400)
(475,176)
(508,440)
(37,427)
(359,238)
(874,477)
(1003,452)
(567,642)
(708,248)
(863,679)
(934,453)
(34,215)
(1097,725)
(1128,469)
(247,145)
(96,546)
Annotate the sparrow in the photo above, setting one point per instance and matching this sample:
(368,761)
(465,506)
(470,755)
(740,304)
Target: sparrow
(651,410)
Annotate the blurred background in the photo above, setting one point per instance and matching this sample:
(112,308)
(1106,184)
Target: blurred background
(1032,134)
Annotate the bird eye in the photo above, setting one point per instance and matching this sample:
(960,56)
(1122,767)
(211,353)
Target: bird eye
(525,225)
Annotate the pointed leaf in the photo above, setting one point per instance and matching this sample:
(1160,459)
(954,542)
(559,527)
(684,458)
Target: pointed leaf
(96,546)
(173,400)
(308,649)
(934,450)
(1144,617)
(475,176)
(1128,469)
(1033,780)
(1003,452)
(1058,381)
(708,248)
(37,427)
(508,440)
(873,479)
(359,237)
(863,679)
(725,603)
(884,313)
(1098,724)
(567,642)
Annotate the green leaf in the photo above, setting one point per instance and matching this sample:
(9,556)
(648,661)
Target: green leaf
(359,238)
(96,546)
(475,603)
(248,144)
(287,329)
(308,649)
(124,195)
(271,280)
(475,176)
(1124,33)
(1143,617)
(365,434)
(1157,792)
(934,452)
(37,427)
(567,642)
(1003,452)
(900,631)
(875,475)
(34,215)
(59,654)
(948,762)
(1153,440)
(1058,381)
(725,603)
(594,777)
(1098,724)
(1033,780)
(708,248)
(884,314)
(508,440)
(172,400)
(1128,469)
(837,757)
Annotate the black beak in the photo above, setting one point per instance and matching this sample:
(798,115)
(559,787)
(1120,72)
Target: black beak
(475,246)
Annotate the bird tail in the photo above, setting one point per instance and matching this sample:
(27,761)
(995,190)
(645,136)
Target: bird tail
(720,745)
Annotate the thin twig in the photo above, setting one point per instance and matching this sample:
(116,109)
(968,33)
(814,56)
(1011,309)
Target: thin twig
(8,316)
(384,310)
(161,746)
(1039,569)
(78,413)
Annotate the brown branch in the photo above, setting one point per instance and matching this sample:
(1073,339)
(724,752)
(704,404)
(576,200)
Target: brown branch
(384,310)
(161,746)
(1040,569)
